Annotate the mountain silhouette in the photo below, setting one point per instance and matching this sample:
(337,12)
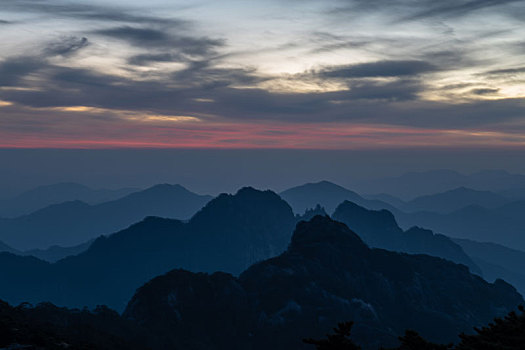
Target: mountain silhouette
(497,261)
(43,196)
(326,275)
(230,233)
(503,225)
(56,253)
(51,254)
(326,194)
(455,199)
(414,184)
(73,223)
(5,248)
(379,229)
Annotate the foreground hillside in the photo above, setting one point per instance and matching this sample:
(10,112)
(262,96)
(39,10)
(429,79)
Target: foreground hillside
(327,275)
(47,327)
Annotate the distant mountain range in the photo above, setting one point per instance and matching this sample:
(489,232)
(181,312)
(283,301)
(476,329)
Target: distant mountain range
(229,234)
(73,223)
(43,196)
(51,254)
(328,195)
(460,212)
(327,275)
(451,200)
(503,225)
(414,184)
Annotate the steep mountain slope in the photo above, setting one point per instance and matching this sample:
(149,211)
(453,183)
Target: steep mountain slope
(497,261)
(230,233)
(73,223)
(43,196)
(326,194)
(327,275)
(379,229)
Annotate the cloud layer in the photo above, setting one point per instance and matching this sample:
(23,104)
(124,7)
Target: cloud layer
(380,73)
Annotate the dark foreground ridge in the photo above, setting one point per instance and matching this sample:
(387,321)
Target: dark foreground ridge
(328,274)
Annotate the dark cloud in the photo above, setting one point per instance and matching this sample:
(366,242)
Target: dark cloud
(66,47)
(394,103)
(507,71)
(87,12)
(420,9)
(379,69)
(137,36)
(4,22)
(145,59)
(327,42)
(13,70)
(162,39)
(450,8)
(393,91)
(202,73)
(484,91)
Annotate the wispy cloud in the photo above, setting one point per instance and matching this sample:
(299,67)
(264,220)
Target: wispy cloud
(379,69)
(67,46)
(163,39)
(82,11)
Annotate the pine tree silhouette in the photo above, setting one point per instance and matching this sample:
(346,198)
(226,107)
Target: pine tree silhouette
(506,333)
(413,341)
(340,340)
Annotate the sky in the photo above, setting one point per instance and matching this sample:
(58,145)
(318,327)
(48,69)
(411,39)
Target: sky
(214,171)
(314,75)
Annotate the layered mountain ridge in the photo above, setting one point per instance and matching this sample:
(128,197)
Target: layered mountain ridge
(379,229)
(230,233)
(75,222)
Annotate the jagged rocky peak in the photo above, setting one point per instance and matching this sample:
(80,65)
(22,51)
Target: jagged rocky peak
(246,199)
(311,212)
(382,218)
(248,209)
(323,230)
